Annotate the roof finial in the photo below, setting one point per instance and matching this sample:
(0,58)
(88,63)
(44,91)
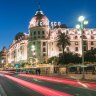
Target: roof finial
(39,7)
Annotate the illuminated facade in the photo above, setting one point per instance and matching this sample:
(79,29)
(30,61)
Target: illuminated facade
(17,52)
(3,58)
(43,37)
(42,43)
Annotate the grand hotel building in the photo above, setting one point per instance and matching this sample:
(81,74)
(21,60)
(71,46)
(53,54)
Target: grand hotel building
(40,44)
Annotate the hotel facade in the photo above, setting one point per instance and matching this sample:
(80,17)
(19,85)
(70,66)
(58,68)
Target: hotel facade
(41,41)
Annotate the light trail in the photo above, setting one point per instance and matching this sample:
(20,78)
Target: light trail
(53,79)
(41,89)
(63,81)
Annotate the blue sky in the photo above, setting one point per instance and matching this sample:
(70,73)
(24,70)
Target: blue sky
(16,14)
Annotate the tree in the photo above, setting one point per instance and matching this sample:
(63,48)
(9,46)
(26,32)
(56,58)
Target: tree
(70,57)
(63,40)
(90,55)
(53,60)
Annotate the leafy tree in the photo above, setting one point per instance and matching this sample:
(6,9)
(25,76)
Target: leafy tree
(90,55)
(53,60)
(70,57)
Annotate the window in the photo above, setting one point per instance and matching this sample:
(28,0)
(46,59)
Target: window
(92,43)
(84,37)
(43,37)
(84,42)
(92,37)
(76,37)
(92,48)
(31,34)
(76,43)
(38,36)
(67,32)
(44,43)
(34,37)
(44,49)
(60,49)
(76,32)
(43,32)
(34,32)
(44,54)
(33,43)
(76,48)
(85,48)
(91,32)
(39,32)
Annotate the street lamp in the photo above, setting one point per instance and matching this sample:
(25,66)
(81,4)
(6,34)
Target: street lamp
(80,26)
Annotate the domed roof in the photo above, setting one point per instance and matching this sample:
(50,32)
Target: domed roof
(21,35)
(39,19)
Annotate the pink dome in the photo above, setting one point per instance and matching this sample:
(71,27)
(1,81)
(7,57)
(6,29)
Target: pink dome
(39,20)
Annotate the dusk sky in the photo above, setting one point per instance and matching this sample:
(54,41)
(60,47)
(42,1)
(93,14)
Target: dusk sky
(16,14)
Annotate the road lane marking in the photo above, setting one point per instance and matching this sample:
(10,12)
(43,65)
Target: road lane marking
(41,89)
(84,85)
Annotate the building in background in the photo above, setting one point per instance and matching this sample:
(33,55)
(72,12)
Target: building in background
(3,58)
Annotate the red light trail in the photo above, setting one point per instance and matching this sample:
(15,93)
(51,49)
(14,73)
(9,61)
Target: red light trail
(63,81)
(41,89)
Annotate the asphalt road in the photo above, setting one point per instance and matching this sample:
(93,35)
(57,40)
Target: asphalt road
(11,88)
(75,91)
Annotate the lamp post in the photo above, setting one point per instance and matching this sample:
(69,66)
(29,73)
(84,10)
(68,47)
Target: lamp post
(80,26)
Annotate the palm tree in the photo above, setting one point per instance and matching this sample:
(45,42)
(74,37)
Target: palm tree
(63,40)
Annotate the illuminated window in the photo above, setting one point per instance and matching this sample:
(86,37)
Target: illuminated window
(76,43)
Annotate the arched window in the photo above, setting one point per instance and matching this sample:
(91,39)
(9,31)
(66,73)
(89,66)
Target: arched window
(84,37)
